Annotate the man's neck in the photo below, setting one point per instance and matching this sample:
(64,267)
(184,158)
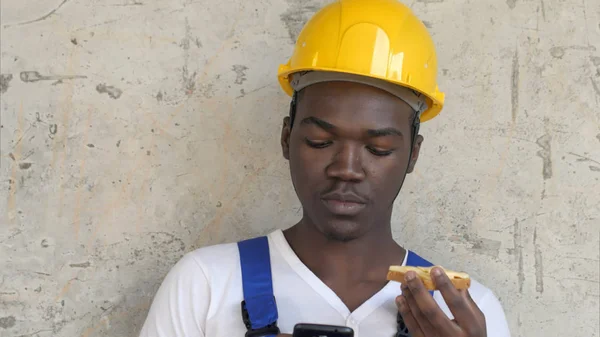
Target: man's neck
(365,259)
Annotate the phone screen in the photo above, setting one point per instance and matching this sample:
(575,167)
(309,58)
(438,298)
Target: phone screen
(319,330)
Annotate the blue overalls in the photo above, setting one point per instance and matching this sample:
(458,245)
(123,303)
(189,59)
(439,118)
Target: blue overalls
(259,310)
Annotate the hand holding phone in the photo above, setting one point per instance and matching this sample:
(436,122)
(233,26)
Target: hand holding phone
(320,330)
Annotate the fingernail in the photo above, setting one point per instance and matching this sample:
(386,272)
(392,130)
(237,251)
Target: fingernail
(436,272)
(410,276)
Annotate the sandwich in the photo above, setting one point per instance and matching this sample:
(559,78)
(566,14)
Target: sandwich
(459,279)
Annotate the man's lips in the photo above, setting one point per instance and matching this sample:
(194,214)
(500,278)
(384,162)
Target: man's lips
(340,207)
(344,203)
(345,197)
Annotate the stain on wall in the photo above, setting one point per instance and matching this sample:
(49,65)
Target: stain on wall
(136,131)
(546,154)
(240,73)
(113,92)
(34,76)
(515,86)
(24,166)
(7,322)
(297,13)
(5,82)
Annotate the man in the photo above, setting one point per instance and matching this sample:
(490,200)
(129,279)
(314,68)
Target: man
(362,77)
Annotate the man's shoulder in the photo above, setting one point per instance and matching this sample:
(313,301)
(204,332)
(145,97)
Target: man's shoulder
(204,264)
(216,257)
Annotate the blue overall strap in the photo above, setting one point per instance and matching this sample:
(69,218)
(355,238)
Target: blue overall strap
(259,310)
(414,260)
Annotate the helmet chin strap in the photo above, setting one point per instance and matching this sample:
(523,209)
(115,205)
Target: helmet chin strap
(293,109)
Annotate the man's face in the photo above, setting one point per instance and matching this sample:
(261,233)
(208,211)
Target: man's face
(349,152)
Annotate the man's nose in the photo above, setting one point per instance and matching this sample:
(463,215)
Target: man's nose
(347,163)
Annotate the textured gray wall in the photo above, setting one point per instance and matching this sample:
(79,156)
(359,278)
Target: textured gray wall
(133,132)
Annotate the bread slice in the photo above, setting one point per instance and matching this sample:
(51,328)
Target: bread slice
(460,280)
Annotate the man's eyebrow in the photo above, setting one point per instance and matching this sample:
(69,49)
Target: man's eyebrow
(318,122)
(384,132)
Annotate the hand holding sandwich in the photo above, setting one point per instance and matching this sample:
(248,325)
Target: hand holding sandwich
(424,318)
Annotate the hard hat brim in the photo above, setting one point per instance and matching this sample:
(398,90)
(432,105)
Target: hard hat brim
(435,102)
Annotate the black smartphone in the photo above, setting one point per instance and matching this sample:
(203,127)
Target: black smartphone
(320,330)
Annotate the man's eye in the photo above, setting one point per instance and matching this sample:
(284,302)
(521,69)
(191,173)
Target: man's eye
(317,145)
(379,152)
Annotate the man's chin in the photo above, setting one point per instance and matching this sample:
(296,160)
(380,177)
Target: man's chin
(342,230)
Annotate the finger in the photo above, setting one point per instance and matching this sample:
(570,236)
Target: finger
(459,302)
(416,312)
(409,320)
(478,325)
(427,305)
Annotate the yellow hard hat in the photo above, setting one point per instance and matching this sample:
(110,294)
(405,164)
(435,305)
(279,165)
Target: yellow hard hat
(380,39)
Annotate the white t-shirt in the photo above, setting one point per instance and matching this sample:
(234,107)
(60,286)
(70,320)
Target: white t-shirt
(201,297)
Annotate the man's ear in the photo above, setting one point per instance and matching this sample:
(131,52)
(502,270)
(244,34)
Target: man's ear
(415,153)
(286,131)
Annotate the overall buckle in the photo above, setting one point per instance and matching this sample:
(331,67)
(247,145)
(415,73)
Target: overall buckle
(269,330)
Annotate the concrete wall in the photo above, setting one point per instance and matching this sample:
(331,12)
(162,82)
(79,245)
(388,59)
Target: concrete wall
(133,132)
